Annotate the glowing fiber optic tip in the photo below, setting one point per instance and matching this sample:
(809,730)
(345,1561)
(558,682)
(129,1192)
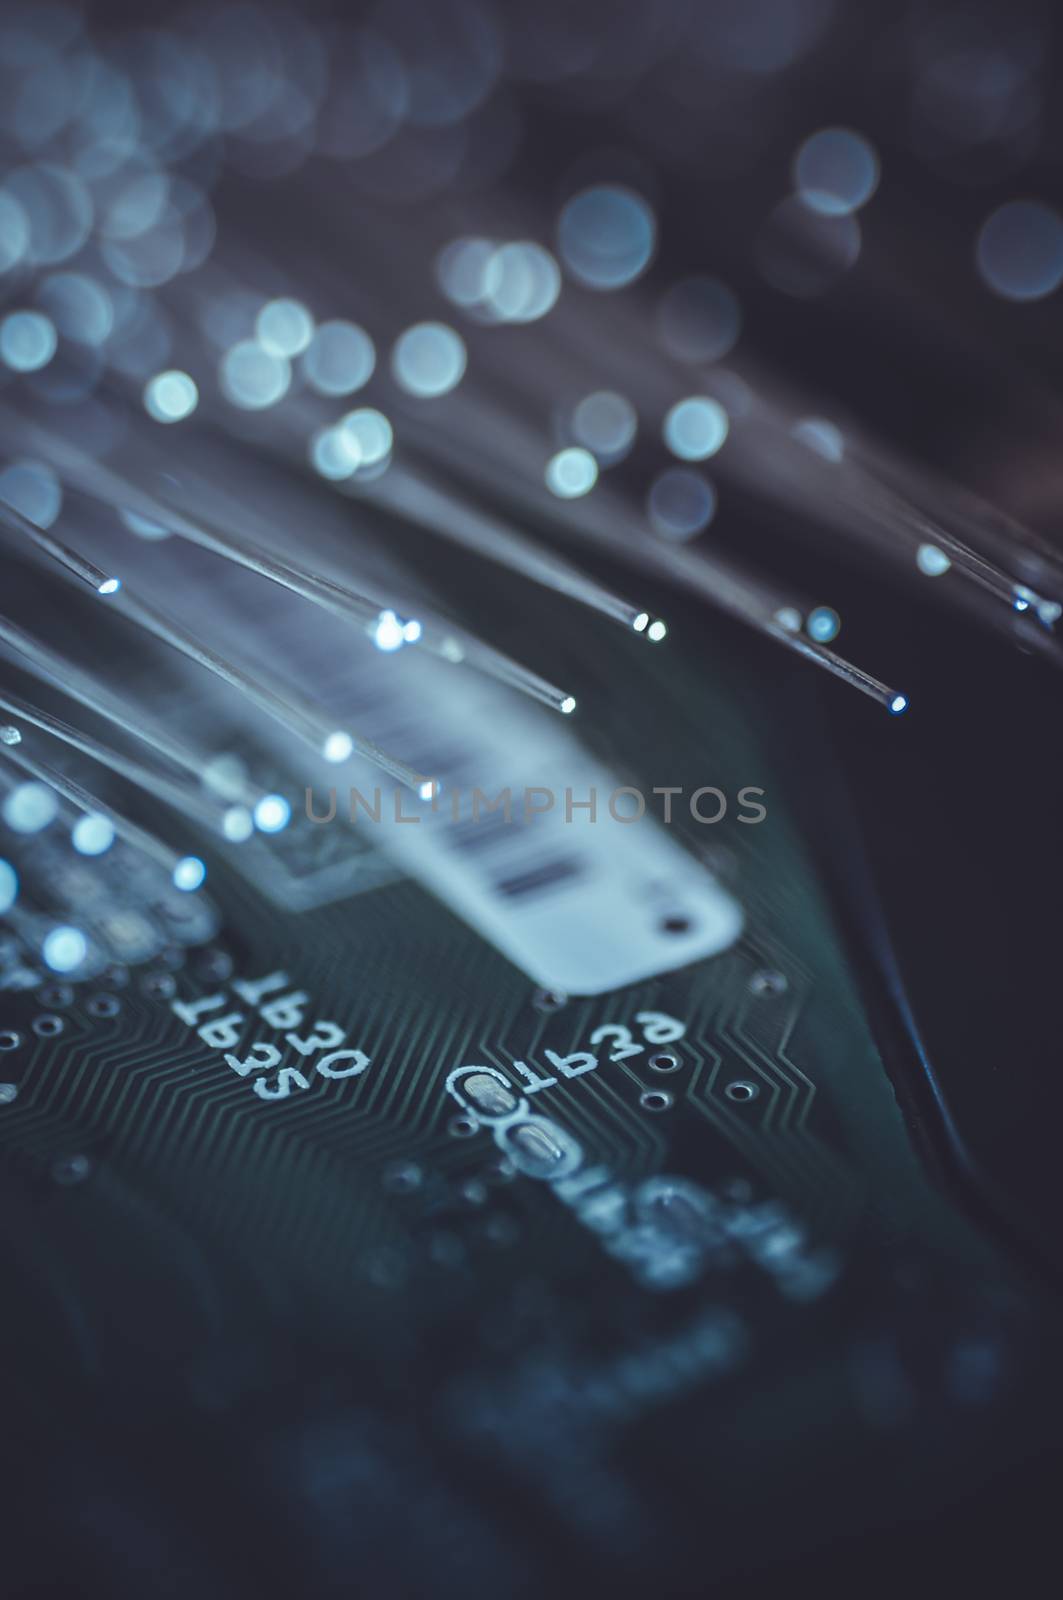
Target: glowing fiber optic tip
(189,873)
(272,813)
(64,949)
(641,622)
(237,824)
(823,624)
(92,835)
(568,705)
(337,747)
(412,632)
(898,704)
(388,633)
(931,560)
(110,586)
(656,631)
(1020,604)
(428,789)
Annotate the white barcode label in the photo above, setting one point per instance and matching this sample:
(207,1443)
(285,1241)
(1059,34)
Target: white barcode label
(581,905)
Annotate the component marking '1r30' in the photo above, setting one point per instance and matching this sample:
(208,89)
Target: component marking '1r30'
(262,1059)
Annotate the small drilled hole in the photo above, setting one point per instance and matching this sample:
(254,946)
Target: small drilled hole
(159,985)
(47,1027)
(676,924)
(9,1040)
(461,1127)
(768,983)
(216,966)
(665,1061)
(549,999)
(54,995)
(103,1005)
(501,1230)
(741,1091)
(69,1170)
(655,1100)
(402,1179)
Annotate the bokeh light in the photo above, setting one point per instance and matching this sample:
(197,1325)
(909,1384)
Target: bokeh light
(695,428)
(681,503)
(284,328)
(8,887)
(369,434)
(170,396)
(64,949)
(571,473)
(1020,250)
(33,488)
(29,807)
(92,835)
(836,171)
(606,236)
(522,282)
(428,360)
(339,359)
(467,271)
(189,874)
(605,423)
(79,306)
(804,252)
(699,320)
(27,340)
(57,207)
(335,454)
(253,378)
(14,231)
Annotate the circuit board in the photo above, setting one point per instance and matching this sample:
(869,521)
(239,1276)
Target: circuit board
(432,1275)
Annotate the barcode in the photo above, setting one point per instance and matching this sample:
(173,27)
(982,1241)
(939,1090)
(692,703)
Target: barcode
(540,878)
(496,840)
